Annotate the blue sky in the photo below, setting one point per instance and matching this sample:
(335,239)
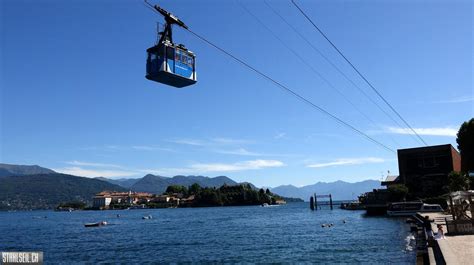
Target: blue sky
(74,97)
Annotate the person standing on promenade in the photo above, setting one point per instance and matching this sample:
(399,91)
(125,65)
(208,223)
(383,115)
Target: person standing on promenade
(440,234)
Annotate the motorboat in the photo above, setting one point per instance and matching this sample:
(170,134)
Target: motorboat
(96,224)
(411,208)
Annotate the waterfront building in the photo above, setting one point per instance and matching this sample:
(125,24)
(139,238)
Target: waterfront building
(165,201)
(425,170)
(103,199)
(390,181)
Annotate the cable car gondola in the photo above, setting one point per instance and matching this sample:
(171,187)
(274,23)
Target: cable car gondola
(167,62)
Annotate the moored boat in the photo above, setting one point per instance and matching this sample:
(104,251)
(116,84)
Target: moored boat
(411,208)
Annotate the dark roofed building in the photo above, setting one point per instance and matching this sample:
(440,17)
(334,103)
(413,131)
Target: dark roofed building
(424,170)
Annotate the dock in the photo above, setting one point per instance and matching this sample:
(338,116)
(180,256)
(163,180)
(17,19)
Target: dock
(454,249)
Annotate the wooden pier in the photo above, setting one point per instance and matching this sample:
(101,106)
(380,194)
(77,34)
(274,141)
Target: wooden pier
(313,201)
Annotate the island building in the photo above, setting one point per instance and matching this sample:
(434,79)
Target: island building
(104,199)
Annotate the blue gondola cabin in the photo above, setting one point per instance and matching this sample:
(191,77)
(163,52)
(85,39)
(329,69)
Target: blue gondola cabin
(171,64)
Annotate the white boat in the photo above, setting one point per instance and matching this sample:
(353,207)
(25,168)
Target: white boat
(95,224)
(411,208)
(270,205)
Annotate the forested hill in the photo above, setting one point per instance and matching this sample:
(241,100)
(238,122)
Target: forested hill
(20,170)
(47,191)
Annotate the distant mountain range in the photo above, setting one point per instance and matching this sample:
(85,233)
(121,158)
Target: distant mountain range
(35,187)
(339,190)
(158,184)
(18,170)
(124,182)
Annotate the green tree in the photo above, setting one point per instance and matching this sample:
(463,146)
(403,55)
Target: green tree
(465,140)
(194,189)
(209,197)
(268,192)
(397,192)
(176,189)
(458,181)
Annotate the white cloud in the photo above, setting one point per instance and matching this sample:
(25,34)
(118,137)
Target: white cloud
(239,166)
(151,148)
(446,131)
(457,100)
(230,141)
(89,164)
(92,173)
(240,151)
(220,141)
(113,147)
(280,135)
(143,147)
(187,142)
(89,169)
(348,161)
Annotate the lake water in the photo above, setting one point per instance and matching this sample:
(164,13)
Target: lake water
(289,233)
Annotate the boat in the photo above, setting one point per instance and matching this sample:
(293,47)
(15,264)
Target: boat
(270,205)
(411,208)
(146,217)
(352,206)
(96,224)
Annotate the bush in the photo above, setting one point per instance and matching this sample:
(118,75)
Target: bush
(458,181)
(397,192)
(437,200)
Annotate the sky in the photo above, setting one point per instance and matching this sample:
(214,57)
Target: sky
(74,97)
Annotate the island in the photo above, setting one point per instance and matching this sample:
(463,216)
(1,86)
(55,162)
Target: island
(192,196)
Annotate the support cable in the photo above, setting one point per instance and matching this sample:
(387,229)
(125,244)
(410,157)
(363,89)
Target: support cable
(290,91)
(313,69)
(358,72)
(331,63)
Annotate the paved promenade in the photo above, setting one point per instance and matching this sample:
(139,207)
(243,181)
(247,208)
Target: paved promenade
(457,249)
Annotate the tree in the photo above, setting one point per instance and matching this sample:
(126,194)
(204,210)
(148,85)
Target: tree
(397,192)
(194,189)
(177,189)
(209,197)
(458,181)
(465,140)
(268,192)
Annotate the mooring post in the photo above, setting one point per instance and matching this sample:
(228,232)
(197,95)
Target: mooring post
(330,200)
(311,203)
(315,202)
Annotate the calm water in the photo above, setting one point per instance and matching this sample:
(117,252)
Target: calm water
(290,233)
